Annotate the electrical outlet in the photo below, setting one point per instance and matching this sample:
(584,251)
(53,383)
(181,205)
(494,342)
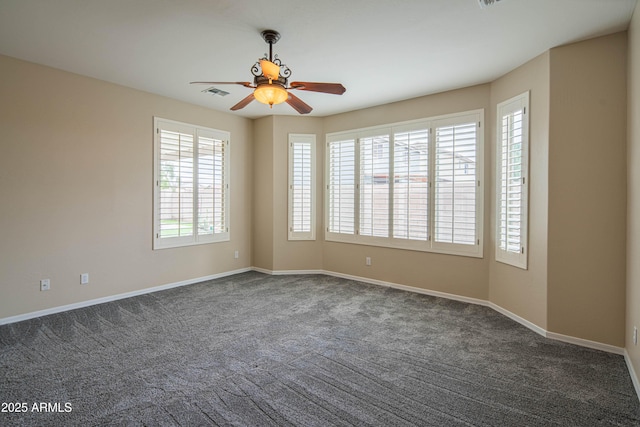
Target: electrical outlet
(84,278)
(236,254)
(45,284)
(635,335)
(367,260)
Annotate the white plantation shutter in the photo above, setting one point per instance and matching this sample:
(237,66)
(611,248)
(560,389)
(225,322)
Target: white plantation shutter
(206,185)
(212,185)
(511,183)
(512,194)
(411,185)
(302,187)
(175,183)
(374,186)
(341,186)
(191,185)
(455,182)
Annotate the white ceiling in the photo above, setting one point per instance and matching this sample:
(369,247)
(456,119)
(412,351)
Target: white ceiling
(381,51)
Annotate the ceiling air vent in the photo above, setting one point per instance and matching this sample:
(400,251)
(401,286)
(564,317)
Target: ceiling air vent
(215,91)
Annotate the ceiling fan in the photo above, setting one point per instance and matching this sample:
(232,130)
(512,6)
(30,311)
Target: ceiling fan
(271,82)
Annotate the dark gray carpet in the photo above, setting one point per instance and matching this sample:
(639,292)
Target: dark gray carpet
(260,350)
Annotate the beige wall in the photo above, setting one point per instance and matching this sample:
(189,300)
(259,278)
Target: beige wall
(444,273)
(575,281)
(450,102)
(295,255)
(262,190)
(272,250)
(524,292)
(587,190)
(76,166)
(633,192)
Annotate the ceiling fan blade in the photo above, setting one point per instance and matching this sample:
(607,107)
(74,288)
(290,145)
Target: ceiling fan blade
(246,84)
(243,103)
(333,88)
(298,104)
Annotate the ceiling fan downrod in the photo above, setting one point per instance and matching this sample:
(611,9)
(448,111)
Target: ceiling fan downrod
(271,37)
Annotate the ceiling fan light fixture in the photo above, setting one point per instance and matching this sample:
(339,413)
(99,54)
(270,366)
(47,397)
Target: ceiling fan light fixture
(271,82)
(270,70)
(271,94)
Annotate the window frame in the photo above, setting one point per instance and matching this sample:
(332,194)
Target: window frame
(475,250)
(293,234)
(197,132)
(503,109)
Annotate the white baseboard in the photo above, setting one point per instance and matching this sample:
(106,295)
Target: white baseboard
(408,288)
(632,373)
(262,270)
(82,304)
(524,322)
(586,343)
(558,337)
(286,272)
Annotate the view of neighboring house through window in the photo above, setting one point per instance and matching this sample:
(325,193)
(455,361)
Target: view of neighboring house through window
(191,197)
(302,182)
(390,186)
(512,187)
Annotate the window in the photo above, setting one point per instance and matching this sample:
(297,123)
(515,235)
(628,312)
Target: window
(392,186)
(512,187)
(302,183)
(191,197)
